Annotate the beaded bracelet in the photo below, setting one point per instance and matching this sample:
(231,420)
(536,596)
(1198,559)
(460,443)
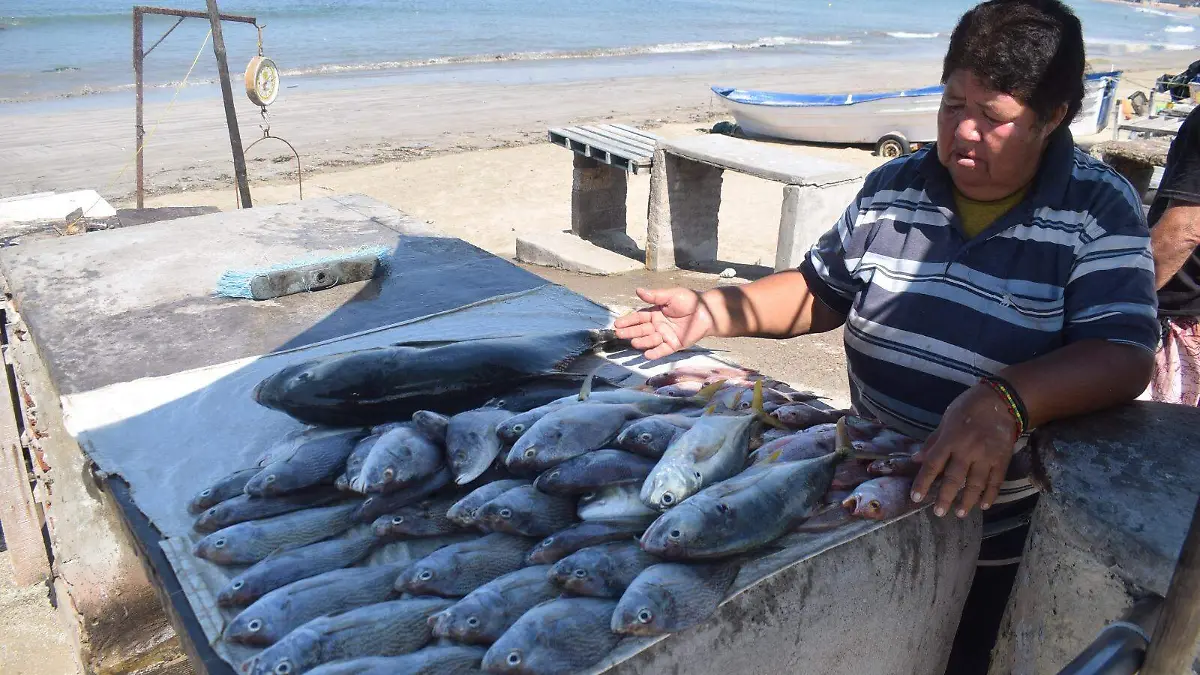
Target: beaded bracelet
(1015,405)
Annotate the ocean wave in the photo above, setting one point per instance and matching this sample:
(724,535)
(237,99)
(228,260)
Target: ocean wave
(1155,12)
(1179,29)
(912,36)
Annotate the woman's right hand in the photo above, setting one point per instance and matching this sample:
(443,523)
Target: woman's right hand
(676,319)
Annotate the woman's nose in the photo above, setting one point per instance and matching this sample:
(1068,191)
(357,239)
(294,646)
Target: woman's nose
(967,130)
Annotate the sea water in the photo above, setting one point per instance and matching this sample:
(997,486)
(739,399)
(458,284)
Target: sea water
(51,49)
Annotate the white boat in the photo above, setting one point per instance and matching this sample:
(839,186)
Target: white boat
(891,121)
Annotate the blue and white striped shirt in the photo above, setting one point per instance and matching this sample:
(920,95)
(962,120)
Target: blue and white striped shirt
(930,310)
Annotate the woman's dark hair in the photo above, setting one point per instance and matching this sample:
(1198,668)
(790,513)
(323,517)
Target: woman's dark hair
(1031,50)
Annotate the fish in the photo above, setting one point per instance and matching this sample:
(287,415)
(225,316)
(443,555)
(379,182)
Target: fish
(850,475)
(282,610)
(412,550)
(401,458)
(226,488)
(465,511)
(354,462)
(546,389)
(382,384)
(249,542)
(686,388)
(317,458)
(458,569)
(582,535)
(828,517)
(602,571)
(435,660)
(761,438)
(816,441)
(804,415)
(485,613)
(698,374)
(379,504)
(511,430)
(670,597)
(434,425)
(387,628)
(743,513)
(594,470)
(528,512)
(619,502)
(471,442)
(896,465)
(880,498)
(286,566)
(424,519)
(559,636)
(244,507)
(651,436)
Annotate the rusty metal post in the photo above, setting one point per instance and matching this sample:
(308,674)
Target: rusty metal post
(140,135)
(235,134)
(1174,642)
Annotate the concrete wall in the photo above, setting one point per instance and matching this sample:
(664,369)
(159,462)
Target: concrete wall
(808,212)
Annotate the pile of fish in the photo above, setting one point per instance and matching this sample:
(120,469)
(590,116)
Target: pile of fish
(505,517)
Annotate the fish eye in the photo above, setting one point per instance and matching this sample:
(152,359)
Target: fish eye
(472,621)
(698,475)
(645,437)
(588,496)
(460,456)
(514,657)
(220,543)
(304,377)
(212,511)
(506,513)
(722,507)
(644,615)
(237,585)
(269,479)
(397,520)
(518,428)
(207,492)
(548,541)
(388,473)
(673,534)
(283,668)
(530,453)
(580,573)
(368,500)
(555,474)
(255,625)
(425,575)
(473,512)
(668,498)
(874,505)
(500,402)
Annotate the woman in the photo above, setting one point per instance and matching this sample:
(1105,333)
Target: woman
(988,284)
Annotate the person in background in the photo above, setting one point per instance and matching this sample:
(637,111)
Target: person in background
(1175,235)
(990,283)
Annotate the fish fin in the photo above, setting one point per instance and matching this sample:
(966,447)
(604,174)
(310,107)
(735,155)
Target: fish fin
(757,407)
(843,446)
(586,390)
(737,399)
(708,391)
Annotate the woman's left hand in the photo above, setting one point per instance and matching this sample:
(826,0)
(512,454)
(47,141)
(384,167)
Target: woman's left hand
(970,451)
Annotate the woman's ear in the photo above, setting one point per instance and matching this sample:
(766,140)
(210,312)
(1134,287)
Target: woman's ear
(1055,121)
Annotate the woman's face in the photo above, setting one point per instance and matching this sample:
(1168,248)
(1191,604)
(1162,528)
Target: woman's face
(989,141)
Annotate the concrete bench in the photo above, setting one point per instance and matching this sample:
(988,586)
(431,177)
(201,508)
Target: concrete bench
(1136,160)
(685,197)
(604,155)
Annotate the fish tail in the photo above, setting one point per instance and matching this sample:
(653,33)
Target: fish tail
(607,337)
(760,413)
(708,391)
(843,447)
(586,390)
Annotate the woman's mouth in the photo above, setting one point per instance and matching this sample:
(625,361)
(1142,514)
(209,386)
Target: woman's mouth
(965,160)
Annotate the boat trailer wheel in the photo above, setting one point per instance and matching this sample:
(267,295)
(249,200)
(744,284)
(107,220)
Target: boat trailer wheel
(892,146)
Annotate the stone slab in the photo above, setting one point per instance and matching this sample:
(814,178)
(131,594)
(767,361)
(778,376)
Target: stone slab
(568,252)
(54,205)
(764,160)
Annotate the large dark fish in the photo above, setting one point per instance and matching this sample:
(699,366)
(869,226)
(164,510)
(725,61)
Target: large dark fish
(458,569)
(371,386)
(486,612)
(603,571)
(284,567)
(227,488)
(743,513)
(671,597)
(382,629)
(559,636)
(281,611)
(250,542)
(401,458)
(377,505)
(244,507)
(465,511)
(318,457)
(437,660)
(594,470)
(471,442)
(528,512)
(585,534)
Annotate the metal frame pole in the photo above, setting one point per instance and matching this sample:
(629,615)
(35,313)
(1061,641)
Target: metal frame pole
(235,134)
(1174,642)
(140,135)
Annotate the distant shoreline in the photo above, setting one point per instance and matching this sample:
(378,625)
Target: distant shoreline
(1160,6)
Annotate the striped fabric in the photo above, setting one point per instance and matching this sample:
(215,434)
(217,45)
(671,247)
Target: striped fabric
(930,311)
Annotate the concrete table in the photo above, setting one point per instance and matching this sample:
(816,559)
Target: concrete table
(1135,160)
(685,197)
(602,157)
(1120,487)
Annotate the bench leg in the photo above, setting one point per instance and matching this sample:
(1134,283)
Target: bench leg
(789,221)
(808,212)
(685,199)
(598,196)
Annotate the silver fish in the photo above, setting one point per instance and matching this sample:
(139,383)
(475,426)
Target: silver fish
(559,636)
(459,569)
(355,461)
(227,488)
(619,502)
(711,451)
(602,571)
(315,460)
(805,415)
(465,511)
(284,567)
(281,611)
(743,513)
(244,507)
(438,660)
(433,425)
(471,442)
(250,542)
(594,470)
(379,504)
(880,499)
(486,612)
(424,519)
(588,533)
(511,430)
(382,629)
(671,597)
(401,458)
(412,550)
(528,512)
(651,436)
(816,441)
(569,432)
